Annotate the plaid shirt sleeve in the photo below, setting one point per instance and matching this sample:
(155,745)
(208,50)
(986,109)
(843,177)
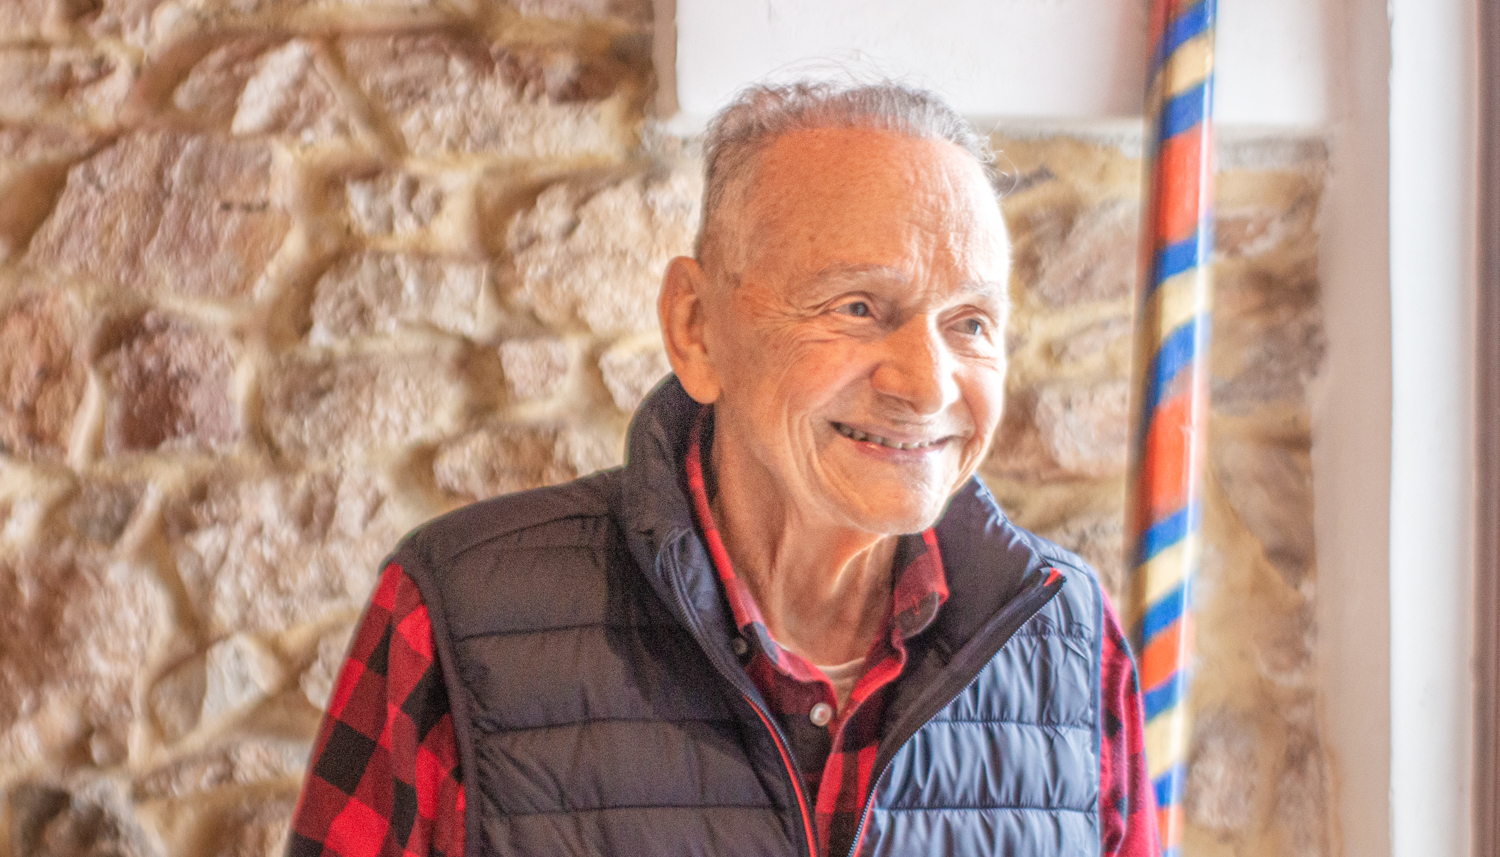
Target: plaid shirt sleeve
(383,780)
(1128,807)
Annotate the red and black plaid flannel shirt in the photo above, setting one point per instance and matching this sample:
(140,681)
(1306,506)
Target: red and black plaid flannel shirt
(384,778)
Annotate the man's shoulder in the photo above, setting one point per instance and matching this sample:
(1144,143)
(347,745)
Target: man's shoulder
(1058,556)
(1083,598)
(571,514)
(978,519)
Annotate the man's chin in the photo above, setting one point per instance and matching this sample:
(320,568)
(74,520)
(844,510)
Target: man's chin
(898,521)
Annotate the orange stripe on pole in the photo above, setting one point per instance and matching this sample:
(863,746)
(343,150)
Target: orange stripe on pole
(1163,654)
(1180,177)
(1164,469)
(1169,825)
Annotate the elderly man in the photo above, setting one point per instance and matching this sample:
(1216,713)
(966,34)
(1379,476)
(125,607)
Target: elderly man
(794,622)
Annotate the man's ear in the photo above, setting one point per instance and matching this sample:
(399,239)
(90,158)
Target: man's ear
(682,309)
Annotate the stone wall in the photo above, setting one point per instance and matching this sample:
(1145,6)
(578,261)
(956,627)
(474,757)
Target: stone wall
(280,279)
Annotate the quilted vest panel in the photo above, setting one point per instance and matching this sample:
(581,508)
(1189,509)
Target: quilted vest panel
(595,723)
(1011,765)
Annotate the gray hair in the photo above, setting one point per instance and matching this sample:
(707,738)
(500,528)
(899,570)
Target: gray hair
(762,113)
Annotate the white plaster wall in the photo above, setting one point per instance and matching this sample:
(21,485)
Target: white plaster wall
(1433,270)
(1033,59)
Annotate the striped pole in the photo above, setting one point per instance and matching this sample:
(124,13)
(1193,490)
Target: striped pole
(1170,404)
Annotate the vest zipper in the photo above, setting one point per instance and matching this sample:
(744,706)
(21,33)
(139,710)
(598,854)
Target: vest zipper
(777,736)
(1026,605)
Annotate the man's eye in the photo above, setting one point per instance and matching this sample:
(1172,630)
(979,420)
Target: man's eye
(972,326)
(858,309)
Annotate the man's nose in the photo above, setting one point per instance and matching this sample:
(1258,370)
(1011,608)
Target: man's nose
(917,367)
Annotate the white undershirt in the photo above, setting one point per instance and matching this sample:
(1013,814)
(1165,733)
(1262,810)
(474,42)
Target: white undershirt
(844,677)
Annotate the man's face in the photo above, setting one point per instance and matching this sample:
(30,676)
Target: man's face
(860,355)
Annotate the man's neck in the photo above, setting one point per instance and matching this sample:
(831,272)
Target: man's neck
(824,591)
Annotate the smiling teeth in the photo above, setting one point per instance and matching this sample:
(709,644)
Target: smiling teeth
(856,434)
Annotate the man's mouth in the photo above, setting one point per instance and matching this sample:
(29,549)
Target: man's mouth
(856,434)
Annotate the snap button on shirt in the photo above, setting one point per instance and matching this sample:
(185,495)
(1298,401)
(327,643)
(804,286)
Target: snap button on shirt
(821,714)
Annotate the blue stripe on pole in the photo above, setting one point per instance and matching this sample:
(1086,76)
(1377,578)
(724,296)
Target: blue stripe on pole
(1168,786)
(1189,23)
(1175,354)
(1167,532)
(1179,258)
(1185,110)
(1167,609)
(1166,695)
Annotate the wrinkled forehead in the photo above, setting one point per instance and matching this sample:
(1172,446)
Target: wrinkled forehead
(859,196)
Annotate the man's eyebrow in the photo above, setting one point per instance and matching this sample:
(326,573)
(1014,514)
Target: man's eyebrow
(988,289)
(991,290)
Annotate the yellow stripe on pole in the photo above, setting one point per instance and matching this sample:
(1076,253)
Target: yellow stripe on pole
(1175,302)
(1167,740)
(1167,570)
(1189,64)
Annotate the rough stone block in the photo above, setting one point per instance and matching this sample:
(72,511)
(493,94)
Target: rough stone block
(1064,429)
(1279,358)
(1099,539)
(290,94)
(171,388)
(109,746)
(1253,231)
(77,630)
(101,511)
(211,686)
(33,167)
(211,90)
(1270,489)
(1018,451)
(129,20)
(30,19)
(1284,644)
(317,680)
(269,553)
(44,144)
(346,408)
(1086,429)
(255,86)
(394,203)
(43,373)
(501,459)
(85,819)
(450,95)
(381,292)
(595,256)
(624,11)
(238,673)
(194,215)
(242,762)
(257,830)
(1301,798)
(1094,339)
(535,368)
(80,84)
(1066,257)
(630,373)
(1223,773)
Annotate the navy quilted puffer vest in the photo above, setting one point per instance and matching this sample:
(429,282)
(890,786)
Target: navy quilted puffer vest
(599,709)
